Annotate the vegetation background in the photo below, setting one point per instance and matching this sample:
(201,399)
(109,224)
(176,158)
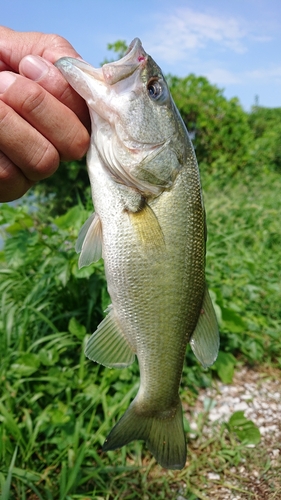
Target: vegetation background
(56,407)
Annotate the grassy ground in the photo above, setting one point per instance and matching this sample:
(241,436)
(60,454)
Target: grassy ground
(56,407)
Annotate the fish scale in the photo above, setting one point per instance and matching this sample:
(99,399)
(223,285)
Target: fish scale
(149,227)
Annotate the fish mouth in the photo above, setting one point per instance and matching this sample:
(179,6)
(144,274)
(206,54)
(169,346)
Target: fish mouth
(109,73)
(132,60)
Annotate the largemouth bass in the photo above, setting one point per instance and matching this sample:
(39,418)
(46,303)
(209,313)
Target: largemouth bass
(149,227)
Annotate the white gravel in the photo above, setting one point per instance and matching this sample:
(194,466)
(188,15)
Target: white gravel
(258,395)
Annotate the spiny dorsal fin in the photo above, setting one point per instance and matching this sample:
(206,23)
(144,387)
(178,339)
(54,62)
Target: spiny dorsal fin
(89,241)
(108,344)
(205,339)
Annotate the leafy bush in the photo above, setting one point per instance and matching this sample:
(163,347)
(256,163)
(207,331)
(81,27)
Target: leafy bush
(242,264)
(56,407)
(266,126)
(218,127)
(63,190)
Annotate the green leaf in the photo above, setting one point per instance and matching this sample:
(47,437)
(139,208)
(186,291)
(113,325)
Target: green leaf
(105,299)
(59,413)
(27,475)
(22,223)
(6,489)
(246,431)
(64,273)
(48,357)
(84,272)
(73,218)
(76,329)
(26,364)
(232,321)
(224,366)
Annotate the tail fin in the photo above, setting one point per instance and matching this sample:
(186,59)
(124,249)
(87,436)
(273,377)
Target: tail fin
(164,435)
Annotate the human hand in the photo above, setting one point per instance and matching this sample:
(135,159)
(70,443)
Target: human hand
(42,119)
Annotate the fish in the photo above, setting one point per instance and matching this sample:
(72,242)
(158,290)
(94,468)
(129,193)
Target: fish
(149,227)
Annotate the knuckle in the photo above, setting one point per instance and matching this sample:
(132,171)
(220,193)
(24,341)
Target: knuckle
(33,101)
(13,184)
(6,170)
(5,114)
(56,46)
(46,160)
(78,143)
(64,93)
(56,41)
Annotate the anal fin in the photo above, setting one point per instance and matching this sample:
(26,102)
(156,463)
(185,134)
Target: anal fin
(108,345)
(205,339)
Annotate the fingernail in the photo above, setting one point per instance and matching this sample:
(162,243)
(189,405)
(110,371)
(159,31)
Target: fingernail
(6,79)
(34,67)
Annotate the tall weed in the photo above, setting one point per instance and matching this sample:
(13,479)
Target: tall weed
(56,407)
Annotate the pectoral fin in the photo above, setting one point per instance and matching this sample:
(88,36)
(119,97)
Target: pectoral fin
(205,338)
(108,344)
(89,241)
(147,228)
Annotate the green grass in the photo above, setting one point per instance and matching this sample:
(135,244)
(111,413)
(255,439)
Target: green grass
(243,265)
(56,407)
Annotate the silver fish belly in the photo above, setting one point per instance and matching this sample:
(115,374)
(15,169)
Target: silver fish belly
(149,227)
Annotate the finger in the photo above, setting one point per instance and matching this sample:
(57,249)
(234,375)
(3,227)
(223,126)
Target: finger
(55,121)
(4,67)
(15,45)
(25,147)
(13,183)
(50,78)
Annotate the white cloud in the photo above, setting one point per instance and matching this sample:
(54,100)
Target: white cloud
(222,76)
(272,74)
(261,38)
(239,54)
(188,30)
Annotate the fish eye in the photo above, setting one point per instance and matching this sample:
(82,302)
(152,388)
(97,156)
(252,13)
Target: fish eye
(157,89)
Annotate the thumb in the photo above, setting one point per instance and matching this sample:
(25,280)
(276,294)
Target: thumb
(43,72)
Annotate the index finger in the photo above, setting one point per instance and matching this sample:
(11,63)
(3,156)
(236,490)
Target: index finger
(15,45)
(27,52)
(50,78)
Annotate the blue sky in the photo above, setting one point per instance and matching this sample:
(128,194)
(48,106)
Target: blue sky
(236,45)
